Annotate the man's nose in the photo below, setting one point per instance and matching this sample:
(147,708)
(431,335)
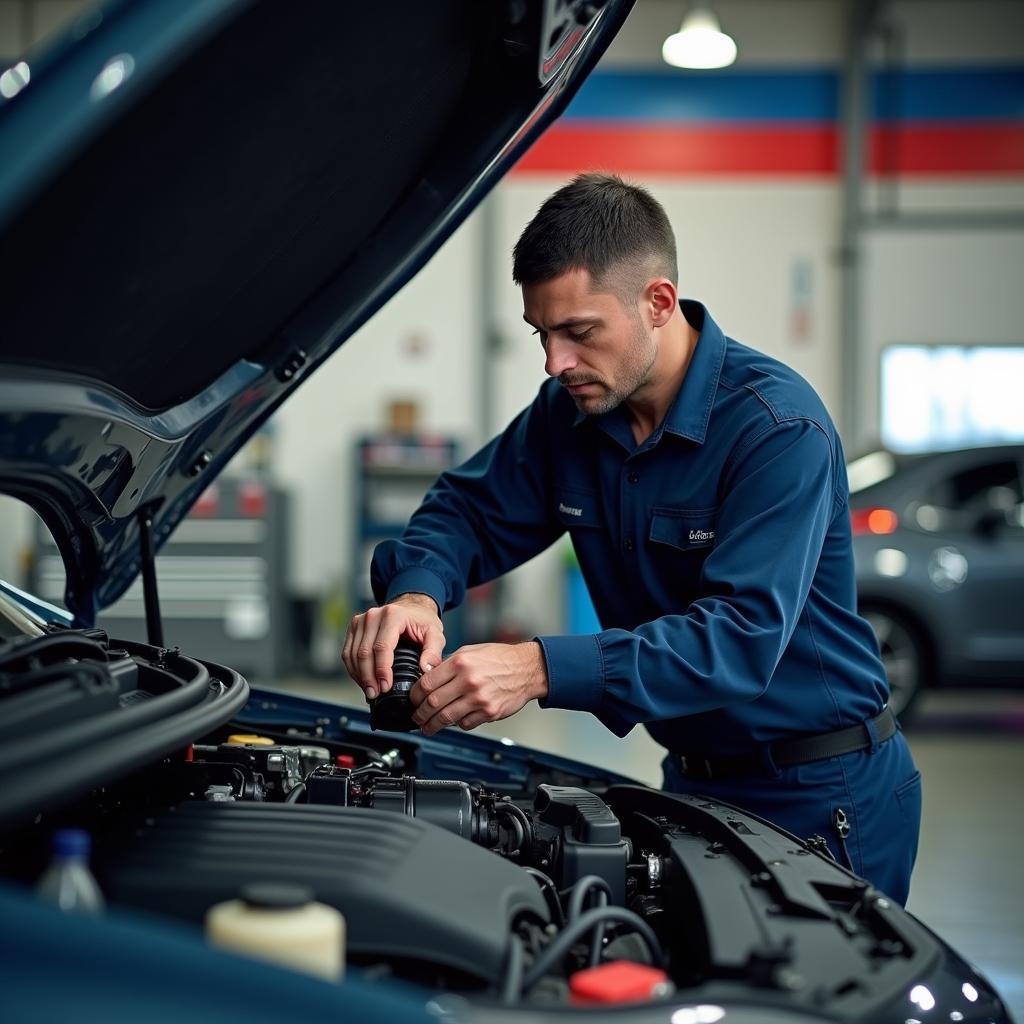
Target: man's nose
(560,358)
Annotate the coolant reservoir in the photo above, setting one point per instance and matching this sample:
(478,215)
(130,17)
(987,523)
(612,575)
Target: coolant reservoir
(240,739)
(282,924)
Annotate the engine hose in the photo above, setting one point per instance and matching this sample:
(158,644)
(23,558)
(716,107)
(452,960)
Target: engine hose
(578,928)
(518,813)
(295,793)
(550,891)
(597,942)
(514,963)
(65,645)
(11,683)
(581,890)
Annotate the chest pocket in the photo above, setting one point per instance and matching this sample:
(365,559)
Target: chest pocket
(576,507)
(684,529)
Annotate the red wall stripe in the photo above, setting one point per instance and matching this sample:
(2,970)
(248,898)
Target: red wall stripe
(809,149)
(930,149)
(685,149)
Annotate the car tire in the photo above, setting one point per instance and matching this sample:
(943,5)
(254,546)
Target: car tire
(904,655)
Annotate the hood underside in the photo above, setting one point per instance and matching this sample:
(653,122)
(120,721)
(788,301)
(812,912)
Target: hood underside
(229,191)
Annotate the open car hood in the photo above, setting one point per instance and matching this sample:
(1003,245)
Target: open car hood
(200,202)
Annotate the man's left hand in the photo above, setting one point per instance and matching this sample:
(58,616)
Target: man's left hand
(480,683)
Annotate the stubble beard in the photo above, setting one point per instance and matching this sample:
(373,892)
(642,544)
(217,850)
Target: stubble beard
(637,366)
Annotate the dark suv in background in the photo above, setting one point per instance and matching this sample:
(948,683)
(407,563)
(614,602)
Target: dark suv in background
(939,545)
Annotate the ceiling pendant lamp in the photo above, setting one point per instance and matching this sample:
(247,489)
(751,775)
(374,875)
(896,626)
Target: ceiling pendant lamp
(700,42)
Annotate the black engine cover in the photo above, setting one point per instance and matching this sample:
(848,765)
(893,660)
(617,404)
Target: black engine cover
(407,888)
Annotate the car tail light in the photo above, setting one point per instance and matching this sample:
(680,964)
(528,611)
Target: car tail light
(874,520)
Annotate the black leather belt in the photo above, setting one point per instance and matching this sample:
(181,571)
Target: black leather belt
(786,753)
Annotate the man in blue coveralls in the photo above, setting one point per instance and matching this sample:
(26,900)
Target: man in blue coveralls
(704,488)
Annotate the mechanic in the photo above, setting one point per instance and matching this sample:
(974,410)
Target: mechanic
(704,488)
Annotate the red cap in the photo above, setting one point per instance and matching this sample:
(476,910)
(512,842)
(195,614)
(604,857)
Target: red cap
(618,982)
(345,761)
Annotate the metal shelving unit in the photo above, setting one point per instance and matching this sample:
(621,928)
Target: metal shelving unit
(393,473)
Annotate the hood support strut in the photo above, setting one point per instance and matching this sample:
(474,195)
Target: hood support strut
(154,624)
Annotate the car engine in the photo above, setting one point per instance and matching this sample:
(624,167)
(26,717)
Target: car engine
(412,862)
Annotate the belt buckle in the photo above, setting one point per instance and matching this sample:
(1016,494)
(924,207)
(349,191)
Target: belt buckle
(697,768)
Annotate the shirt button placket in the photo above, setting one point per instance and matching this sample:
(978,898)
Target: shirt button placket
(629,518)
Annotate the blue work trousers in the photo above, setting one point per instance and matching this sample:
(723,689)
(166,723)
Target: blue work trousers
(878,789)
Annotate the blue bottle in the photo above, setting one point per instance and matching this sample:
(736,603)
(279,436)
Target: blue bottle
(67,882)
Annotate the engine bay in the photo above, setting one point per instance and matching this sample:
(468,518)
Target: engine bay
(435,877)
(460,865)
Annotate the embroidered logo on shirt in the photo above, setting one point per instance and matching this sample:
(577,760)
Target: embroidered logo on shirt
(569,510)
(700,536)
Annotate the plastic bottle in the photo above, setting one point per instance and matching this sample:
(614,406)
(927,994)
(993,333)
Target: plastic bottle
(67,882)
(282,924)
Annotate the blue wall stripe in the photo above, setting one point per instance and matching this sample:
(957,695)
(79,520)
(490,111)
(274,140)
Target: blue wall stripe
(947,95)
(707,96)
(921,94)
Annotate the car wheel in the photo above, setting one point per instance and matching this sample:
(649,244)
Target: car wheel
(904,658)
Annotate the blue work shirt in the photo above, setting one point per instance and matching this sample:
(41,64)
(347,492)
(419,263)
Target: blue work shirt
(717,553)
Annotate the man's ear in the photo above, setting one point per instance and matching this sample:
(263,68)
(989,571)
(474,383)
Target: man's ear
(661,299)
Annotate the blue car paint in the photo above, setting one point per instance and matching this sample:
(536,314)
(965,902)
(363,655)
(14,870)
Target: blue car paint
(121,966)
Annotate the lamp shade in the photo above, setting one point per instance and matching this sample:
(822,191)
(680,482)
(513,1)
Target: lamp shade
(699,43)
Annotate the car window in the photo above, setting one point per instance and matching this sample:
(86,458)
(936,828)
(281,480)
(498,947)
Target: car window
(989,491)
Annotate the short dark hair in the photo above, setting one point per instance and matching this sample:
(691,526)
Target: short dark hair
(601,224)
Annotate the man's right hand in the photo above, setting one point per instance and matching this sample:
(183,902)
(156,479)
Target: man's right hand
(370,645)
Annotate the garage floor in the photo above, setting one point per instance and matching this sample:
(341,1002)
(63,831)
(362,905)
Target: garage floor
(968,884)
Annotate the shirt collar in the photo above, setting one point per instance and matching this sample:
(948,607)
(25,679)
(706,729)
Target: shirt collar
(690,410)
